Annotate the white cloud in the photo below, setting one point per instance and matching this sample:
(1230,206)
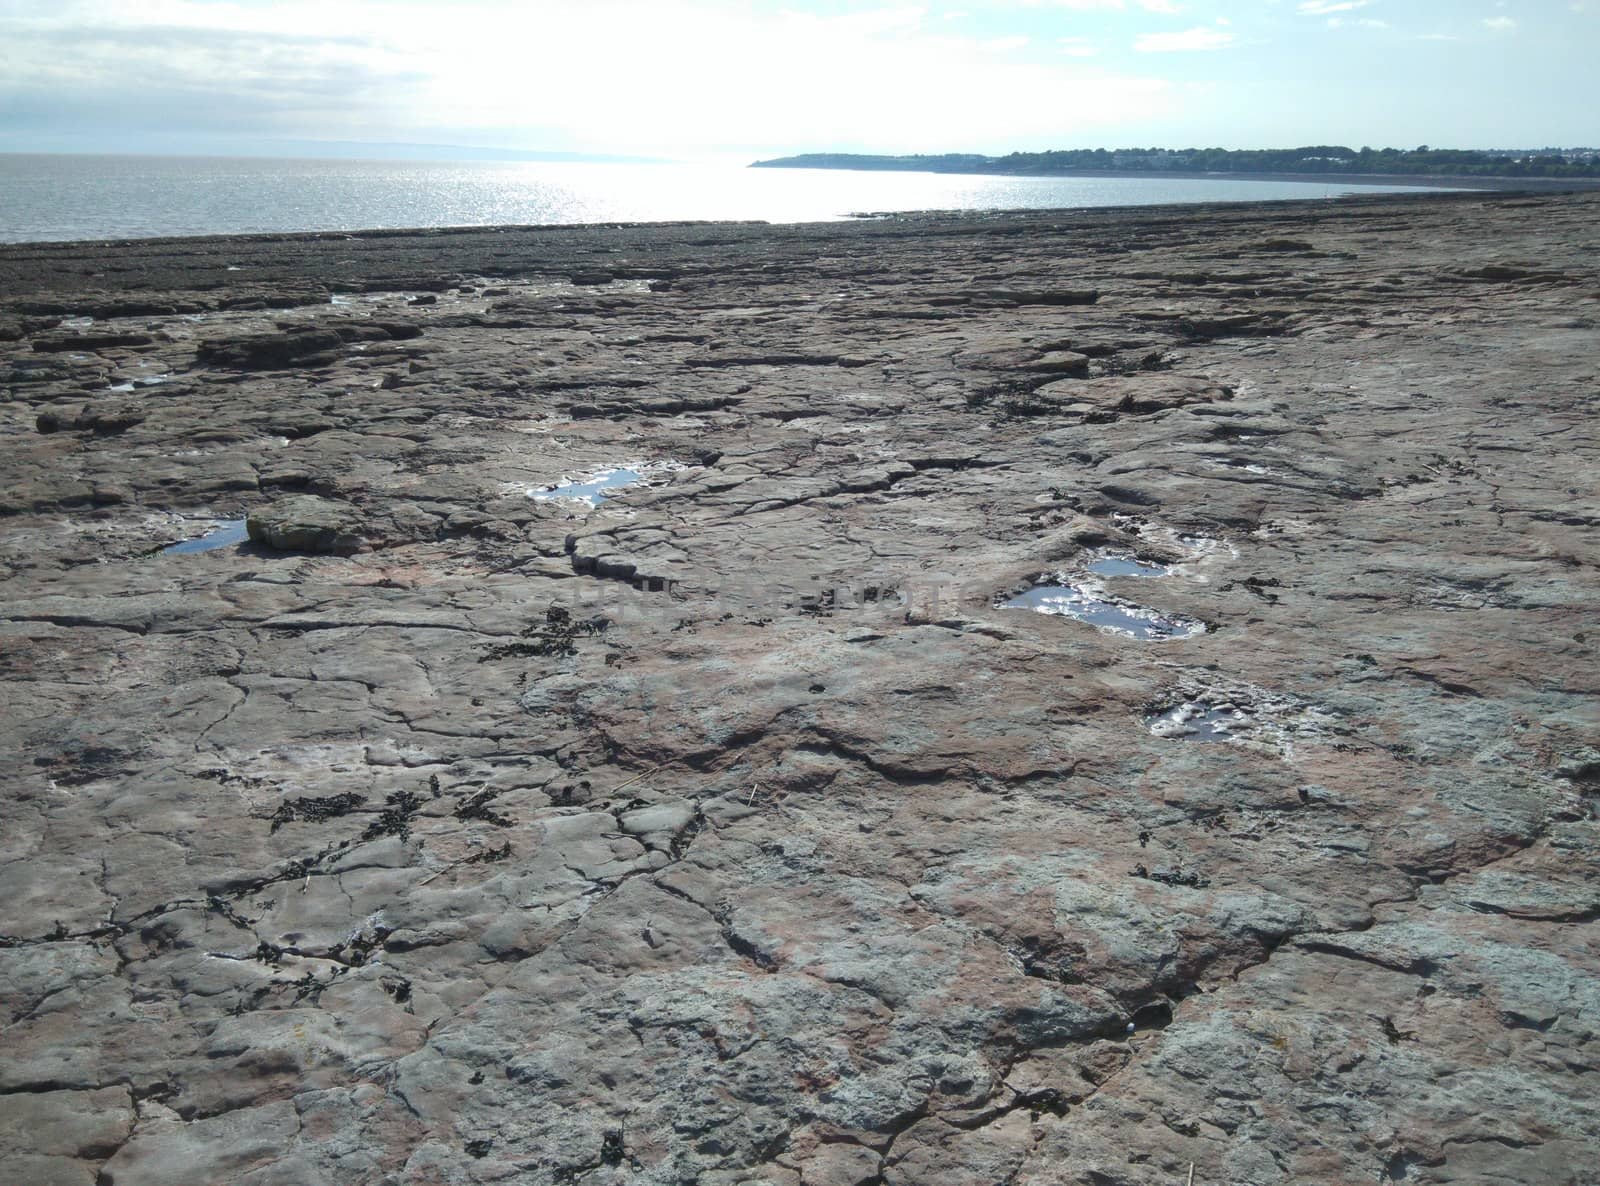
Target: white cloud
(1166,7)
(673,77)
(1324,7)
(1500,24)
(1189,39)
(1339,22)
(1076,47)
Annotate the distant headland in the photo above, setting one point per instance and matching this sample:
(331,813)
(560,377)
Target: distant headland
(1320,160)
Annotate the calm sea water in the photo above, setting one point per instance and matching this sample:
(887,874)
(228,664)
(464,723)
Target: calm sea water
(119,197)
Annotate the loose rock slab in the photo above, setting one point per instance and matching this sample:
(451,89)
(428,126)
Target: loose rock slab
(307,524)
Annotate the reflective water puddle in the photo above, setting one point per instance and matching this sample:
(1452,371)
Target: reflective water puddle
(1126,566)
(1082,595)
(590,490)
(227,534)
(1196,721)
(1109,614)
(143,381)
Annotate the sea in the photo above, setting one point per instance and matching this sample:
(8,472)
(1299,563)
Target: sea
(61,197)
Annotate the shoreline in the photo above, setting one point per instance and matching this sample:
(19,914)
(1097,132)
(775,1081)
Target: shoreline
(1409,186)
(18,258)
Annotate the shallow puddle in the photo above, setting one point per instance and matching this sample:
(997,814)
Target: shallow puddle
(227,534)
(1126,566)
(1196,721)
(1122,617)
(590,490)
(1086,599)
(136,384)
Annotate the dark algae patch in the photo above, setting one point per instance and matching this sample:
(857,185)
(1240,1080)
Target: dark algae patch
(557,637)
(395,819)
(315,809)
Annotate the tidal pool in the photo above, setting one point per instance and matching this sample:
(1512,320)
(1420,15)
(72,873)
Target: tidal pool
(1195,721)
(227,534)
(1121,617)
(142,381)
(1127,566)
(591,489)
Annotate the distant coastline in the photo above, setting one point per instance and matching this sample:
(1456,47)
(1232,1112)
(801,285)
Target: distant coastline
(1506,184)
(1028,165)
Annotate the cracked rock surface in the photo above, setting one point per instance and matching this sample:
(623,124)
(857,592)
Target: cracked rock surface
(713,821)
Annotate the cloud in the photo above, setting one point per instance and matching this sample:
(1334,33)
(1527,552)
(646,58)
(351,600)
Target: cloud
(1188,40)
(674,77)
(1076,47)
(1339,22)
(1500,24)
(1165,7)
(124,76)
(1324,7)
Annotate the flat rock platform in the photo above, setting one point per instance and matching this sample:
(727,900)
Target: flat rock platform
(584,739)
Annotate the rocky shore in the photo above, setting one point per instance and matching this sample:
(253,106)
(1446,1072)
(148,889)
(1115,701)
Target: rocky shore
(714,819)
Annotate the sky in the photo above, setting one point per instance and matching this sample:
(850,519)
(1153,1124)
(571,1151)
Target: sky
(704,79)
